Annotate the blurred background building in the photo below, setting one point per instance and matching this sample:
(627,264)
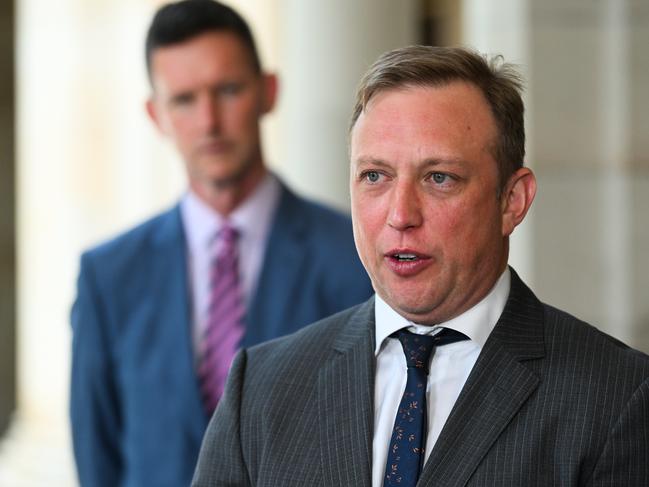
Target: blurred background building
(80,161)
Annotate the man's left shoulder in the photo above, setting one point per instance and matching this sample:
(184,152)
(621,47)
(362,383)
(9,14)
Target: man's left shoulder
(571,339)
(328,235)
(318,217)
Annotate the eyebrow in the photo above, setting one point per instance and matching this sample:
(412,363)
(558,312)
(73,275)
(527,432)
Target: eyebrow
(429,162)
(370,161)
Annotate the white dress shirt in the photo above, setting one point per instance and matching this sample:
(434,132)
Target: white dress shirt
(449,368)
(252,219)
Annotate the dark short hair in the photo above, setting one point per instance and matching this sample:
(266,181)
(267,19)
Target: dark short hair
(179,21)
(498,81)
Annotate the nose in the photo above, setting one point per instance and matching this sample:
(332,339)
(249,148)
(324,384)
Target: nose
(405,207)
(209,114)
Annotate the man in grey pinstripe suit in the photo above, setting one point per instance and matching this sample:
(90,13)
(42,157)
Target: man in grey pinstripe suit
(534,397)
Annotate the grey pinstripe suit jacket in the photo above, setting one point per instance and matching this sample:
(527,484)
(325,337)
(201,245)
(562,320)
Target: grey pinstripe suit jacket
(551,401)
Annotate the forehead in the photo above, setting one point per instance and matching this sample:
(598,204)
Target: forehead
(211,55)
(451,118)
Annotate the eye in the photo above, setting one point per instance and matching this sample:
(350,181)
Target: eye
(229,89)
(372,176)
(439,178)
(182,99)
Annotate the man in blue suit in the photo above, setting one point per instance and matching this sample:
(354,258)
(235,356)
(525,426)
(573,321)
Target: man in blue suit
(145,303)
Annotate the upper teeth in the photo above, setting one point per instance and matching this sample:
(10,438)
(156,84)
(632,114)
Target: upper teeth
(406,256)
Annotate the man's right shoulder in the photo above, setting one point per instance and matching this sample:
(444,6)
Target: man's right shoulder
(316,342)
(137,252)
(136,239)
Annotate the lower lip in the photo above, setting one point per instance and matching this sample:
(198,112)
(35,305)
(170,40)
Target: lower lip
(407,268)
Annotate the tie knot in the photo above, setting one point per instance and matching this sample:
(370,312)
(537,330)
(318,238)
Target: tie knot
(419,348)
(227,254)
(227,233)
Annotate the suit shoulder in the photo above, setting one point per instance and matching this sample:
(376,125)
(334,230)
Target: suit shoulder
(132,255)
(316,336)
(133,240)
(569,336)
(317,216)
(328,233)
(290,366)
(326,215)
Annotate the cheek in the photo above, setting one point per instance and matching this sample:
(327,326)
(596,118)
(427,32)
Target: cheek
(473,229)
(449,219)
(368,208)
(367,224)
(462,228)
(244,114)
(181,126)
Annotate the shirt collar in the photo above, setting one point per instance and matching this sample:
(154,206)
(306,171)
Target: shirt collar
(476,323)
(252,218)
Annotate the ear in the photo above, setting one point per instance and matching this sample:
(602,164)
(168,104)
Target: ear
(517,198)
(270,88)
(152,111)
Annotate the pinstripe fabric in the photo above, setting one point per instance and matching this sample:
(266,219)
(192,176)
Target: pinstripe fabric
(551,401)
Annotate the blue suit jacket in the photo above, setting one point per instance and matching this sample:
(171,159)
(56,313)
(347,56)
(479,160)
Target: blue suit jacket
(137,416)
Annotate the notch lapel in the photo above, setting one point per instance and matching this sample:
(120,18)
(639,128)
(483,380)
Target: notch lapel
(171,300)
(345,403)
(496,389)
(274,302)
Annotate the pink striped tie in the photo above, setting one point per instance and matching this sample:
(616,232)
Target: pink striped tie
(225,325)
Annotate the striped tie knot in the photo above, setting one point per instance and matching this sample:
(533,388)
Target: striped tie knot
(228,234)
(226,259)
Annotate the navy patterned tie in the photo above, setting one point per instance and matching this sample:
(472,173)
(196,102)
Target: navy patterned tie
(406,449)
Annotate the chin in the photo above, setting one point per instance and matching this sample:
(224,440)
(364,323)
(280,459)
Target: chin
(226,177)
(410,308)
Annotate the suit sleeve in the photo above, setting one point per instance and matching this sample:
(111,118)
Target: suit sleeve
(625,458)
(94,405)
(220,461)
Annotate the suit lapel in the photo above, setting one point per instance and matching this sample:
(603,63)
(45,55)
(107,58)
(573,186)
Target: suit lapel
(172,302)
(285,256)
(345,403)
(497,387)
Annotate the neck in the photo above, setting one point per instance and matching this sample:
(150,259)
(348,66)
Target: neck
(224,198)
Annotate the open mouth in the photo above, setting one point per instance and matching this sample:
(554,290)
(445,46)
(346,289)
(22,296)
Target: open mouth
(405,257)
(406,262)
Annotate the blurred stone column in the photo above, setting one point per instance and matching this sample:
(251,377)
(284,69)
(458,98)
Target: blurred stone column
(591,121)
(88,165)
(584,247)
(324,48)
(503,27)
